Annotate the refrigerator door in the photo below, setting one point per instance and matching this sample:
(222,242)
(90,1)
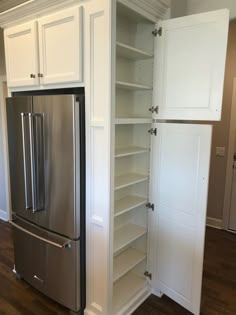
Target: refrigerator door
(56,125)
(49,262)
(18,123)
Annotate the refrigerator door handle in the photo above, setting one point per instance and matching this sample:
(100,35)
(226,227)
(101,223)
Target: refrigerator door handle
(32,162)
(61,246)
(36,125)
(28,201)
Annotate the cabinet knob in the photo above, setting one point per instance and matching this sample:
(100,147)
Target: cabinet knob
(40,75)
(32,76)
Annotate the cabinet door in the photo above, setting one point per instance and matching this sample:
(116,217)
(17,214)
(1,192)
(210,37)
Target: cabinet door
(190,54)
(60,47)
(179,185)
(21,49)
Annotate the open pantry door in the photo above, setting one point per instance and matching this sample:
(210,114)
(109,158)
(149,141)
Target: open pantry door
(180,159)
(190,54)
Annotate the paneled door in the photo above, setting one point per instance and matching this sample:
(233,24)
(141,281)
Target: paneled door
(180,161)
(21,51)
(60,47)
(190,54)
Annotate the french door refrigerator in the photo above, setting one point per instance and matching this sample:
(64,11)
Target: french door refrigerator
(47,174)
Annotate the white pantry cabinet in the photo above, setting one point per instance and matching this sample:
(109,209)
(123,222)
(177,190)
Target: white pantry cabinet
(165,72)
(45,51)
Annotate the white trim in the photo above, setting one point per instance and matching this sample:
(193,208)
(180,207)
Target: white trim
(4,215)
(229,169)
(3,80)
(214,223)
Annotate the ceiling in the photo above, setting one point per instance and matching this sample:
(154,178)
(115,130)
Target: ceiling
(8,4)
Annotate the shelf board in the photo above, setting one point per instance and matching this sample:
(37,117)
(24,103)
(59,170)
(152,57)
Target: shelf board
(128,203)
(132,150)
(132,86)
(129,179)
(126,235)
(125,289)
(126,261)
(132,121)
(129,52)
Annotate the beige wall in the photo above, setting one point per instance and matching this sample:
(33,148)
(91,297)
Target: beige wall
(220,129)
(198,6)
(178,8)
(2,54)
(221,134)
(3,193)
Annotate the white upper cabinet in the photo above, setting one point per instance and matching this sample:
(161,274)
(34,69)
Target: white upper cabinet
(21,49)
(46,51)
(190,54)
(60,47)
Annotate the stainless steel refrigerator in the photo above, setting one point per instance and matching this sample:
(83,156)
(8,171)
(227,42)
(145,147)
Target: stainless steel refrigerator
(46,136)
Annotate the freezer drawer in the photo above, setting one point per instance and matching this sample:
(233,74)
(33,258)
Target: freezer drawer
(49,262)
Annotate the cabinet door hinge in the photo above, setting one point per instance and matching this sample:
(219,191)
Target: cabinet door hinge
(148,275)
(150,206)
(157,32)
(153,131)
(154,109)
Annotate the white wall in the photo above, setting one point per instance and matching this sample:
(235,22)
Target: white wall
(198,6)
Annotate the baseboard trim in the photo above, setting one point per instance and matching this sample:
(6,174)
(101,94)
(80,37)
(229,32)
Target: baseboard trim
(215,223)
(4,215)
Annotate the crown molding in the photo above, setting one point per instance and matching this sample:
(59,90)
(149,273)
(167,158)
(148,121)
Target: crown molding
(154,9)
(34,9)
(157,8)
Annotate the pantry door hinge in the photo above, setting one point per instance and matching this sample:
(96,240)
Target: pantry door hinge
(154,109)
(157,32)
(148,275)
(153,131)
(150,206)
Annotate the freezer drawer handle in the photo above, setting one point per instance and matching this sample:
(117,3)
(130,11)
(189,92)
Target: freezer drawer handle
(65,245)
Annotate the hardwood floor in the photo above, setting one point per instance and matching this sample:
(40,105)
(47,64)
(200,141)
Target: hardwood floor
(218,295)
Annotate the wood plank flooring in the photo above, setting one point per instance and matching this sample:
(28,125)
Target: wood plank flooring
(219,283)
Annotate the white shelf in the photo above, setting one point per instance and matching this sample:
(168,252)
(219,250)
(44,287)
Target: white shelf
(125,289)
(132,150)
(132,121)
(129,179)
(126,235)
(132,86)
(128,203)
(129,52)
(126,261)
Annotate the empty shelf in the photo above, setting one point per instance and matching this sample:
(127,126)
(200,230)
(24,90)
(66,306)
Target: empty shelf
(129,179)
(129,52)
(132,150)
(125,289)
(126,261)
(128,203)
(132,86)
(132,121)
(126,235)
